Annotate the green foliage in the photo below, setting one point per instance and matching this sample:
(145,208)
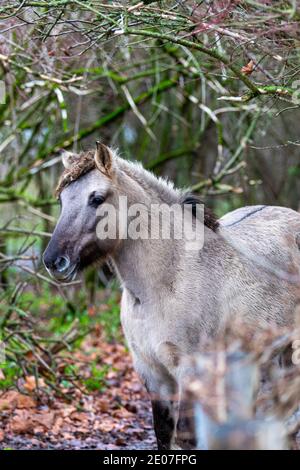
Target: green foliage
(294,171)
(11,372)
(96,380)
(110,318)
(42,322)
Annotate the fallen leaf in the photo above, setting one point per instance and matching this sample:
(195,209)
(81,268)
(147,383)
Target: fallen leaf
(46,420)
(31,384)
(13,399)
(248,69)
(82,417)
(25,421)
(21,422)
(30,356)
(92,311)
(105,426)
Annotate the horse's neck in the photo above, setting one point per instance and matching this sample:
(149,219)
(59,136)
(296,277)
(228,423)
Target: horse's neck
(145,265)
(132,175)
(141,264)
(148,267)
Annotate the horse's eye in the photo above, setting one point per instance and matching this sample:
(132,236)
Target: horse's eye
(95,200)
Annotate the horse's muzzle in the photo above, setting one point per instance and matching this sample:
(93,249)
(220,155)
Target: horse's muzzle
(60,267)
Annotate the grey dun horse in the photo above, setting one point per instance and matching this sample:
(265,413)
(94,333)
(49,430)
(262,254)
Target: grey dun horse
(174,299)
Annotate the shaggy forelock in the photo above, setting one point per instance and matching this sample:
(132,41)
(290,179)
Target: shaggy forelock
(80,167)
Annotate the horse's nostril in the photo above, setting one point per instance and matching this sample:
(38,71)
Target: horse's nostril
(62,263)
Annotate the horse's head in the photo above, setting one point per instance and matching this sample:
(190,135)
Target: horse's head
(86,186)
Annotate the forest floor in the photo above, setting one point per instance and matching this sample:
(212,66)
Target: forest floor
(114,416)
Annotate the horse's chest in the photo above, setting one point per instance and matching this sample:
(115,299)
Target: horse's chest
(141,328)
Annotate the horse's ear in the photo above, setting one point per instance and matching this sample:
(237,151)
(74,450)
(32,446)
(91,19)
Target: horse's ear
(103,158)
(68,158)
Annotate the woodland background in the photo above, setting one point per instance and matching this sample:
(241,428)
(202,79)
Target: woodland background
(206,93)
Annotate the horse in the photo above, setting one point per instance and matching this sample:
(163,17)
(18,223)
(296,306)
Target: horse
(173,298)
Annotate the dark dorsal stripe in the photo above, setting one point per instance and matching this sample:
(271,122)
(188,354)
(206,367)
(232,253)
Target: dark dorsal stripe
(210,219)
(246,216)
(298,240)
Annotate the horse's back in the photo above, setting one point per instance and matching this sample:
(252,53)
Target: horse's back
(267,235)
(262,219)
(239,215)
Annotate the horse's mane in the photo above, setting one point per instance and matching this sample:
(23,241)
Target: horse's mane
(210,219)
(85,162)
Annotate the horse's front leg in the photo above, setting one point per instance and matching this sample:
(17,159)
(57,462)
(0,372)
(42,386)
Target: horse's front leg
(165,418)
(165,409)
